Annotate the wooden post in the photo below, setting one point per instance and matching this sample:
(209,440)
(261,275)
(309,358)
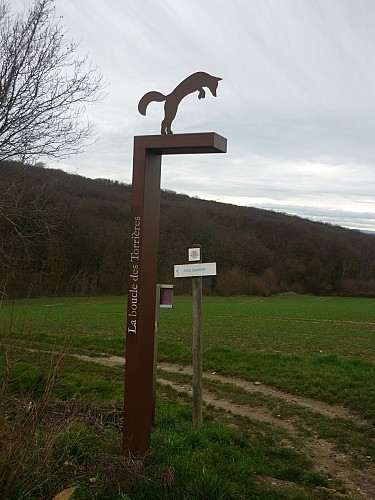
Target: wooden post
(197,348)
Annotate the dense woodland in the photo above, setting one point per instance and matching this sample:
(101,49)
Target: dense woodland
(63,234)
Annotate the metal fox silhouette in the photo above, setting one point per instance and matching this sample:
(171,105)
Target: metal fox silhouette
(193,83)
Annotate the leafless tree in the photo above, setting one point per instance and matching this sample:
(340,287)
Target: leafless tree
(44,87)
(27,216)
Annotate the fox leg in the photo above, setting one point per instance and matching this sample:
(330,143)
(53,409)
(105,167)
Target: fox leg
(170,111)
(165,127)
(202,93)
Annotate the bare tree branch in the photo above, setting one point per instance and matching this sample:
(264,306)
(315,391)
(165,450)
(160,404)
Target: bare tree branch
(26,216)
(44,88)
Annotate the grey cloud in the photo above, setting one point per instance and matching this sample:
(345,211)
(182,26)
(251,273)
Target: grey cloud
(296,103)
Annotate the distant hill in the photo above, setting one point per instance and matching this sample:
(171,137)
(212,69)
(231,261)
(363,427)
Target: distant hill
(66,234)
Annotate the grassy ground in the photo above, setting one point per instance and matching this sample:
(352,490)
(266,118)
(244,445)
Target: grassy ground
(321,348)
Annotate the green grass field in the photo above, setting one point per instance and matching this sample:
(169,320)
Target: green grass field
(322,348)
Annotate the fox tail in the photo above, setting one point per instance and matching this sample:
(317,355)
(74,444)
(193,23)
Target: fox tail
(147,98)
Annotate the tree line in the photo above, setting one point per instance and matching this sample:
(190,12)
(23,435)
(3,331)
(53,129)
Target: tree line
(63,234)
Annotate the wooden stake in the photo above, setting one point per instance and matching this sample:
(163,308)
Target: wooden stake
(197,349)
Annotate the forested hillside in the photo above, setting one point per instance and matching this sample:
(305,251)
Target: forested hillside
(65,234)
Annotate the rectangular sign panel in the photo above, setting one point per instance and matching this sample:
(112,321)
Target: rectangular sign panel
(194,254)
(166,296)
(191,270)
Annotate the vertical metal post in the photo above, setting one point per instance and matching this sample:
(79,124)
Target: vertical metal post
(197,347)
(139,400)
(156,340)
(143,263)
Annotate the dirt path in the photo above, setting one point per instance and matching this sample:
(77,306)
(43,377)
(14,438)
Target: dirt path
(359,484)
(328,410)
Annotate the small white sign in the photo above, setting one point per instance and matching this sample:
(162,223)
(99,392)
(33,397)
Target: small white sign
(191,270)
(194,254)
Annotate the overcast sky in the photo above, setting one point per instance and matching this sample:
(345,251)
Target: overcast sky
(296,104)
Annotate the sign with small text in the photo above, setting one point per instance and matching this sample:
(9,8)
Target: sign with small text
(192,270)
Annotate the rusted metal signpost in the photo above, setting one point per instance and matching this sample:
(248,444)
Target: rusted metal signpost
(142,277)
